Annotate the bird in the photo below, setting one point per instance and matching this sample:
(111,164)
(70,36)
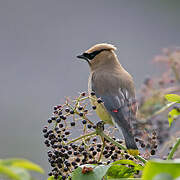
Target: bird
(114,91)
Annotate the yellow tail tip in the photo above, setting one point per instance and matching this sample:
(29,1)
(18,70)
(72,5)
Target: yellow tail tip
(133,152)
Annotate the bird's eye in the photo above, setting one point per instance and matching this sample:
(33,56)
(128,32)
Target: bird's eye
(90,56)
(87,55)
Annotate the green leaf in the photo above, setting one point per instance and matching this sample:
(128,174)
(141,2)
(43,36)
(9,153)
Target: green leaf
(173,98)
(5,170)
(22,173)
(173,114)
(22,163)
(96,174)
(128,162)
(120,171)
(155,167)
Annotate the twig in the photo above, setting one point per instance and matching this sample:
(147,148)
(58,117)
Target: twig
(161,110)
(81,137)
(173,150)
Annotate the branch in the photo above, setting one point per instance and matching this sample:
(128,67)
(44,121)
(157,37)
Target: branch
(160,111)
(81,137)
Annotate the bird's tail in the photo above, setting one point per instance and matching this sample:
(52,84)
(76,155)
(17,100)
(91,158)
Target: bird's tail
(130,142)
(124,126)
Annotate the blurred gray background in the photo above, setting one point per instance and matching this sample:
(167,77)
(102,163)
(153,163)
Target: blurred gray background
(39,41)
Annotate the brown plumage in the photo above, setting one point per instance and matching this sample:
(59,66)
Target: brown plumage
(114,85)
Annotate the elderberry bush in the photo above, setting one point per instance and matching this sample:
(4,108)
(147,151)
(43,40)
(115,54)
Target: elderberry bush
(71,139)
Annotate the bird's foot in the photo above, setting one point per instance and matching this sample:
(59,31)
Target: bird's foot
(100,125)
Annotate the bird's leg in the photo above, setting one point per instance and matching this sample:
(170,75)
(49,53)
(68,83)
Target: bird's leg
(100,126)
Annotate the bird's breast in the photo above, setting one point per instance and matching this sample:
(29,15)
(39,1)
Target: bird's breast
(101,110)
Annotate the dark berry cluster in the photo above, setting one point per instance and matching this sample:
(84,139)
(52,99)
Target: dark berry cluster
(72,140)
(68,121)
(148,143)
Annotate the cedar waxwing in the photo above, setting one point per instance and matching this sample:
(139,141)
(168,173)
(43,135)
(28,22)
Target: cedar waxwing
(114,86)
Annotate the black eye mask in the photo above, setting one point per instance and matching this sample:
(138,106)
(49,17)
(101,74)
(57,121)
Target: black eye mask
(92,55)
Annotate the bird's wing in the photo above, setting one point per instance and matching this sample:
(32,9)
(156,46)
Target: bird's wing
(122,107)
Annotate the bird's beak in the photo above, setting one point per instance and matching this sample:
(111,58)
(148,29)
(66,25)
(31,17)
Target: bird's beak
(83,57)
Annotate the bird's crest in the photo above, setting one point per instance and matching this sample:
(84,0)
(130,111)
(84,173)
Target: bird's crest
(99,47)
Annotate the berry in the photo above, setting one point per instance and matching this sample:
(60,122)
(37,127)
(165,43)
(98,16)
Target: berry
(58,120)
(45,130)
(49,121)
(99,100)
(64,139)
(84,121)
(63,117)
(91,149)
(55,108)
(53,118)
(83,94)
(81,114)
(108,162)
(153,152)
(46,135)
(69,152)
(60,113)
(80,108)
(46,142)
(92,93)
(67,110)
(81,149)
(107,156)
(89,126)
(99,145)
(77,160)
(155,146)
(94,107)
(73,163)
(71,112)
(143,145)
(55,112)
(72,123)
(105,152)
(67,133)
(60,125)
(50,174)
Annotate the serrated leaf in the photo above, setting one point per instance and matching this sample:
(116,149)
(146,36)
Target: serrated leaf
(23,163)
(173,114)
(173,98)
(96,174)
(155,167)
